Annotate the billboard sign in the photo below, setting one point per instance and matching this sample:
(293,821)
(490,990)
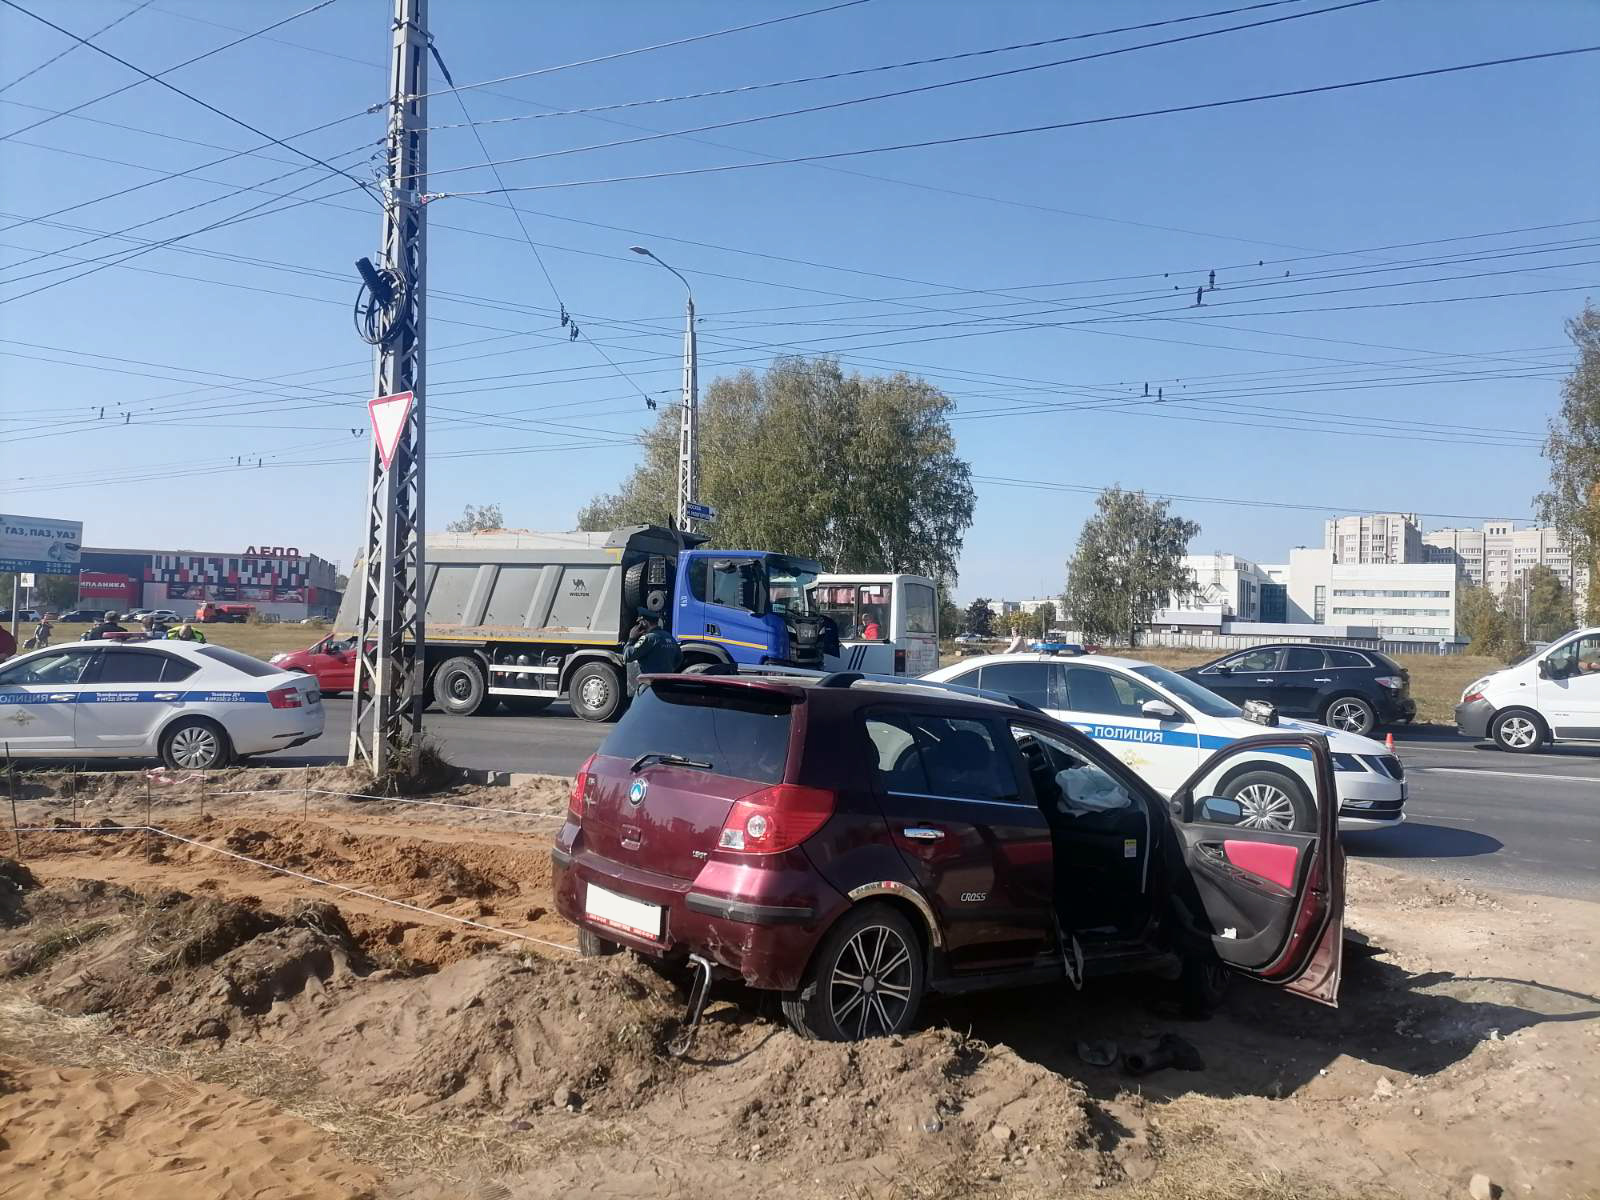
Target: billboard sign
(40,544)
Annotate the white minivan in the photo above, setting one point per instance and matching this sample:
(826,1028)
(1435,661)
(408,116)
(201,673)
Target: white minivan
(1553,695)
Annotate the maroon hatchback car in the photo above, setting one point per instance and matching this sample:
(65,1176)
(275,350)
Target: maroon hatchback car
(855,843)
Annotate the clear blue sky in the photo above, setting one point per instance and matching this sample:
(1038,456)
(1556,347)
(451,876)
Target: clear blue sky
(1261,404)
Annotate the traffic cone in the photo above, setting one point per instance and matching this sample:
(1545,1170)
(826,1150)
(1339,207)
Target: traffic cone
(1388,742)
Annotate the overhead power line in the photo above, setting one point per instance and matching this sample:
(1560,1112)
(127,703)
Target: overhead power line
(613,57)
(910,91)
(60,54)
(746,88)
(190,96)
(1030,129)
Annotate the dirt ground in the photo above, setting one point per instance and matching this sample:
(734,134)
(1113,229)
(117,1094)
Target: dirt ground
(174,1020)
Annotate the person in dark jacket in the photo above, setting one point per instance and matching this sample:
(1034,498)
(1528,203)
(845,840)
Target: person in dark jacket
(651,650)
(107,624)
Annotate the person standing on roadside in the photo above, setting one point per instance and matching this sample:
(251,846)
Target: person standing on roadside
(106,624)
(41,632)
(651,650)
(185,633)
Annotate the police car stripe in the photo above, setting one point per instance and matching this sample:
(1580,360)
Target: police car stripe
(1102,732)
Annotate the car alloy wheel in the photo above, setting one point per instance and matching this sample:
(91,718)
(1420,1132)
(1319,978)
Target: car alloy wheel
(1518,733)
(1267,807)
(869,990)
(1350,715)
(196,747)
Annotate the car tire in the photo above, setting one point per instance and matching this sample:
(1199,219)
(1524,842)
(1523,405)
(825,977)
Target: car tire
(1203,985)
(865,980)
(595,691)
(1350,714)
(1274,801)
(196,744)
(1519,731)
(458,686)
(592,945)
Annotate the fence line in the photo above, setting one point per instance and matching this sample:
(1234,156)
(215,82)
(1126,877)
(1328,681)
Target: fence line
(1201,640)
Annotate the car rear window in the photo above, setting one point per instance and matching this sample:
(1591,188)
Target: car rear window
(741,732)
(1346,658)
(241,662)
(1384,661)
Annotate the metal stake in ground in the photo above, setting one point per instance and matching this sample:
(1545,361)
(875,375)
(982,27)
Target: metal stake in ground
(11,774)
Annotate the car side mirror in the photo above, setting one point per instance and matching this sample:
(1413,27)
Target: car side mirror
(1546,669)
(1223,670)
(1220,810)
(1160,710)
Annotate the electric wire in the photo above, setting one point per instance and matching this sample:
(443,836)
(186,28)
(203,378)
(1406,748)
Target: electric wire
(60,54)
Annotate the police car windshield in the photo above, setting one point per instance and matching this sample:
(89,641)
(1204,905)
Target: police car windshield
(1190,692)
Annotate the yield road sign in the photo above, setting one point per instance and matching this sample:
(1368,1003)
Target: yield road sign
(389,415)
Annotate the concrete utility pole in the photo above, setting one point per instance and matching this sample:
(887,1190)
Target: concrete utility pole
(689,413)
(389,655)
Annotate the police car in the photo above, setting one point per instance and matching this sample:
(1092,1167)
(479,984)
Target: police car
(190,705)
(1164,726)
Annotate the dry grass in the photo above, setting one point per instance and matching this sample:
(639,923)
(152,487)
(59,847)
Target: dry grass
(263,641)
(396,1142)
(36,954)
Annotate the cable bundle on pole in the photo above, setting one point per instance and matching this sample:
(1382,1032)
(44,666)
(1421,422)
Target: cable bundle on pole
(383,300)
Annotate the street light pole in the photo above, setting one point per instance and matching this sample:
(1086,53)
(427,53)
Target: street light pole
(689,412)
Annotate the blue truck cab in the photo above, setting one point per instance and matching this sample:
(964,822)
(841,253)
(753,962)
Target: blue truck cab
(748,607)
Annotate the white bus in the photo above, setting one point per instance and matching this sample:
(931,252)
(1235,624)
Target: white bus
(888,624)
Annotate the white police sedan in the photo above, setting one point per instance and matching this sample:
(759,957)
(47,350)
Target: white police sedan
(190,705)
(1164,726)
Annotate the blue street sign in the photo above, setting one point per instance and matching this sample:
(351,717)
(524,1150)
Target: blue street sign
(699,512)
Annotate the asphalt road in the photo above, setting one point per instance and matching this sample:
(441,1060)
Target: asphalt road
(1476,815)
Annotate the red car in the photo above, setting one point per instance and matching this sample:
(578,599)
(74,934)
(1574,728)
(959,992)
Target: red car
(854,843)
(332,661)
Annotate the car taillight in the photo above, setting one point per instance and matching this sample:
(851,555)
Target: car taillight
(287,696)
(775,819)
(580,790)
(1390,681)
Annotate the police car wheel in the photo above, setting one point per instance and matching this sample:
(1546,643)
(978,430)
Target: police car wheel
(1273,801)
(196,744)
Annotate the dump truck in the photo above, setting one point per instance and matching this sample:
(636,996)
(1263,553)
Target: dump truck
(524,619)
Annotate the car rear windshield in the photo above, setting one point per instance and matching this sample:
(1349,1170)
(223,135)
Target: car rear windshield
(1383,660)
(241,662)
(741,732)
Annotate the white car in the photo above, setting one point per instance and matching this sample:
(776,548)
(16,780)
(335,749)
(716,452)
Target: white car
(1164,726)
(1550,696)
(190,705)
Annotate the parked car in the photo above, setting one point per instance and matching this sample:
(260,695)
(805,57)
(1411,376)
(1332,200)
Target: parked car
(332,661)
(1552,695)
(211,612)
(189,705)
(1163,725)
(1353,690)
(83,616)
(854,843)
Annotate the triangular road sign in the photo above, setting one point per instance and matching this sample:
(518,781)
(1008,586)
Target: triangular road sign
(389,415)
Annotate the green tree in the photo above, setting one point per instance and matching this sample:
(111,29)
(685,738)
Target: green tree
(859,473)
(1045,616)
(1540,605)
(51,593)
(979,619)
(1572,502)
(1129,560)
(1484,621)
(951,618)
(475,518)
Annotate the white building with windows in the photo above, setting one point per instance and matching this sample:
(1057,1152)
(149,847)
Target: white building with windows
(1384,537)
(1499,555)
(1403,601)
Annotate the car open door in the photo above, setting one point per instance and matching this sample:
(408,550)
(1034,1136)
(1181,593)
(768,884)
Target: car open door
(1271,904)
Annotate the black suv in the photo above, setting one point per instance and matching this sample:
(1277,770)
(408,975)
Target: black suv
(1352,690)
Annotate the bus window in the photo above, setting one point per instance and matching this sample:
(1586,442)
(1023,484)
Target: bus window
(921,611)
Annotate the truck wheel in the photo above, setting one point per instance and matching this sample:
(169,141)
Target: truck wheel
(458,686)
(595,691)
(633,586)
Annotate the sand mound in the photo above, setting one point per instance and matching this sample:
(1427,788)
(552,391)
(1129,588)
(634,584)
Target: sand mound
(498,1032)
(76,1132)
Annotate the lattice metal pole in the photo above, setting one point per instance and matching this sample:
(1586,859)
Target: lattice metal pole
(389,653)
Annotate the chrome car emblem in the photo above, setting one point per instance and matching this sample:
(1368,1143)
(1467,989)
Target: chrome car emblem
(637,791)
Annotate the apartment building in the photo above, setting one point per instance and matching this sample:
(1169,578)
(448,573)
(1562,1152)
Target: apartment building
(1383,537)
(1498,555)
